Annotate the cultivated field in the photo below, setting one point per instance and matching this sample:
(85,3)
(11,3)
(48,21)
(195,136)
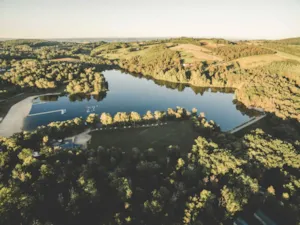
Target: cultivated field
(258,60)
(191,53)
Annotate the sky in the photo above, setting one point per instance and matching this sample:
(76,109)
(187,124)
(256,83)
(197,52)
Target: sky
(235,19)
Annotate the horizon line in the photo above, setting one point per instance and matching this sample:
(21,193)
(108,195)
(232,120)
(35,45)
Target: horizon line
(136,37)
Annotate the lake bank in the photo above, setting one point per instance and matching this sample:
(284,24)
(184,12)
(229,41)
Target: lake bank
(14,119)
(127,92)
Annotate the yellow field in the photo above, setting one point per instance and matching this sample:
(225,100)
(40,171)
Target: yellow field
(288,56)
(258,60)
(192,52)
(262,60)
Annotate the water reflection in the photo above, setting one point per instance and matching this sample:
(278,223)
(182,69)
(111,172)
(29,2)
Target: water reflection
(181,87)
(137,93)
(84,97)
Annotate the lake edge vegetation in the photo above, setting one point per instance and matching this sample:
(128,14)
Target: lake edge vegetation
(221,178)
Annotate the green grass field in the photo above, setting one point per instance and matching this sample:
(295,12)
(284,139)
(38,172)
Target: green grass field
(179,133)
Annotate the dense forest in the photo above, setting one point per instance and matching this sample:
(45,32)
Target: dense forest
(238,51)
(49,75)
(221,178)
(212,184)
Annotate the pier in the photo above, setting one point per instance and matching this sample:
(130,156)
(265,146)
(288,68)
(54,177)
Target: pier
(62,111)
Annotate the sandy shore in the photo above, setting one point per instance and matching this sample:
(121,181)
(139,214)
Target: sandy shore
(14,120)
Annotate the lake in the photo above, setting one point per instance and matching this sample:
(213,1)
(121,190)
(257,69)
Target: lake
(133,93)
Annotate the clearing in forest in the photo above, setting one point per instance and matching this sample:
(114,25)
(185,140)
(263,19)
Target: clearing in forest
(190,53)
(173,133)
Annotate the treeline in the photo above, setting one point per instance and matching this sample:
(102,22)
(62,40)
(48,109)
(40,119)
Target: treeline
(5,64)
(62,129)
(291,49)
(290,41)
(108,48)
(39,49)
(49,75)
(134,118)
(53,52)
(187,40)
(16,55)
(212,184)
(231,52)
(29,42)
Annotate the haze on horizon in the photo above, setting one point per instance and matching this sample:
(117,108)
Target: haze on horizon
(243,19)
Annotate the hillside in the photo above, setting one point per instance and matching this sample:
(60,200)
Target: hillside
(158,167)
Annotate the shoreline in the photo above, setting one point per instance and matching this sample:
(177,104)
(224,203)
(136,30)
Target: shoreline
(13,122)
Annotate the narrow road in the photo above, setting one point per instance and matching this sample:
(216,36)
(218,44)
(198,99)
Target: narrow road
(242,126)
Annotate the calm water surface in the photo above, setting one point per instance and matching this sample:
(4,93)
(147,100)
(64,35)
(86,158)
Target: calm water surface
(129,93)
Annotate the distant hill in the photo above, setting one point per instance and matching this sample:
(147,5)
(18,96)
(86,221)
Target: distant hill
(30,42)
(291,41)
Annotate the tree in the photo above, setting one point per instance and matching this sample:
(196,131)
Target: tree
(148,116)
(180,164)
(26,156)
(121,117)
(194,111)
(92,118)
(106,119)
(231,200)
(135,117)
(158,115)
(78,121)
(46,170)
(122,186)
(45,139)
(196,204)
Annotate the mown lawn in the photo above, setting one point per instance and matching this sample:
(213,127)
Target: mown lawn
(174,133)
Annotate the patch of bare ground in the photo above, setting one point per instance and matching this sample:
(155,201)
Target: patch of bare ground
(199,53)
(258,60)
